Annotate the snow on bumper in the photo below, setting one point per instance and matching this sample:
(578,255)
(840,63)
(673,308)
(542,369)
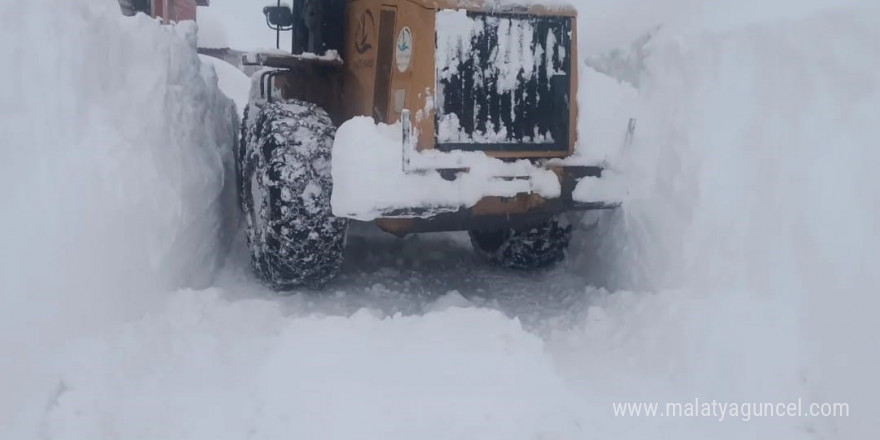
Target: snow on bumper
(610,189)
(369,180)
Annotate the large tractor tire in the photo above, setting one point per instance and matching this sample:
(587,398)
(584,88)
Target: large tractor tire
(533,247)
(285,188)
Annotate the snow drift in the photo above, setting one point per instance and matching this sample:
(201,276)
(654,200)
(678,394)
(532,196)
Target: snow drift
(116,151)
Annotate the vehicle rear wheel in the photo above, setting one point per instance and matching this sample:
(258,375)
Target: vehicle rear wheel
(285,191)
(532,247)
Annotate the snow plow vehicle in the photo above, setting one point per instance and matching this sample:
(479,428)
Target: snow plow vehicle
(420,115)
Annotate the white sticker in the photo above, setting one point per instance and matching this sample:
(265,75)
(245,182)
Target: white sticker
(403,50)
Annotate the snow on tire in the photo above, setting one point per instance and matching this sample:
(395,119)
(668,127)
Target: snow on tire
(529,248)
(285,188)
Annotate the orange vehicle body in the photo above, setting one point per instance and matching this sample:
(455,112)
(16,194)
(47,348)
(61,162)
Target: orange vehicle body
(177,10)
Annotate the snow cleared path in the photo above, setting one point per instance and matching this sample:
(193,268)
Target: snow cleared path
(742,268)
(419,274)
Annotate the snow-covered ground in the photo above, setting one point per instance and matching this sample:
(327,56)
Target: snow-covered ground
(739,269)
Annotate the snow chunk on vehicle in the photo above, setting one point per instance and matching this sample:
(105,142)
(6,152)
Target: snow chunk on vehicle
(369,180)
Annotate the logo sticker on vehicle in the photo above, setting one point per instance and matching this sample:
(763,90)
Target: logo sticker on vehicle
(366,27)
(403,49)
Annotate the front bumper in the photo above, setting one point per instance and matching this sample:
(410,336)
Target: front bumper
(494,212)
(406,190)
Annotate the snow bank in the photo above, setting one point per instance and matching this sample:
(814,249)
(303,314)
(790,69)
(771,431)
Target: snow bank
(232,81)
(116,151)
(750,187)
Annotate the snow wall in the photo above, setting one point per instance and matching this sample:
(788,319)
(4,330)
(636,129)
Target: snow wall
(750,229)
(753,203)
(114,158)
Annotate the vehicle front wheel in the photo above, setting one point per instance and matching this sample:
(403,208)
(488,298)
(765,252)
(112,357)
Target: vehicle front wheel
(286,185)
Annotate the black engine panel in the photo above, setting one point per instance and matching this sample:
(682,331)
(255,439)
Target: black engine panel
(504,83)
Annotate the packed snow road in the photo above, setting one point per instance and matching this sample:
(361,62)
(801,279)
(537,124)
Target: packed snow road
(741,268)
(417,274)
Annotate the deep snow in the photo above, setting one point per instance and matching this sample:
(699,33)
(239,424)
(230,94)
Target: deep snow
(116,148)
(741,265)
(231,81)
